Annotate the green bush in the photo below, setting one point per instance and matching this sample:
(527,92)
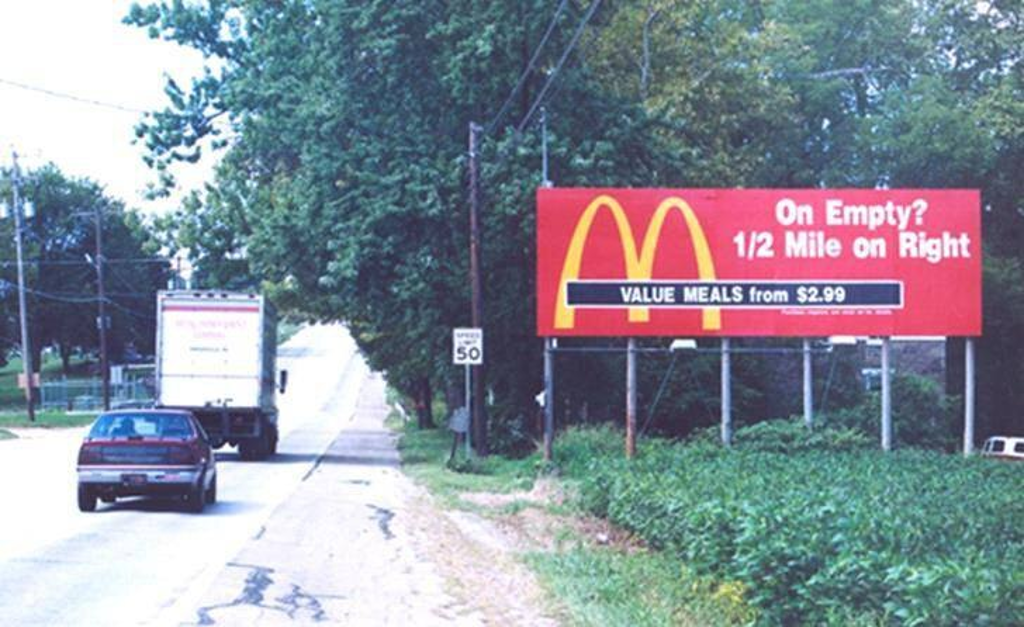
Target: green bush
(823,533)
(922,415)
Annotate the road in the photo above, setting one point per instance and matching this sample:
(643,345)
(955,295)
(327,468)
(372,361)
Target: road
(143,561)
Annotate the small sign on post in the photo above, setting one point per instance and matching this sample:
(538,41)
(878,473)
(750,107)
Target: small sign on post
(21,380)
(459,420)
(468,346)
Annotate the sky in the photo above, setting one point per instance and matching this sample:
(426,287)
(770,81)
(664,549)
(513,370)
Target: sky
(81,48)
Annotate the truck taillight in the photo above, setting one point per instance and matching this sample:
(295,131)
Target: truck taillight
(90,454)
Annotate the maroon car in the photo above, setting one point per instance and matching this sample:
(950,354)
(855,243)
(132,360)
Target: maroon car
(146,452)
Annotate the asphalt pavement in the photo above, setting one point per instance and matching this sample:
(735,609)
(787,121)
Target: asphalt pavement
(146,562)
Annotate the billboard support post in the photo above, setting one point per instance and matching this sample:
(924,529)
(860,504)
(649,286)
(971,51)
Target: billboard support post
(969,397)
(886,397)
(726,394)
(808,386)
(631,397)
(549,398)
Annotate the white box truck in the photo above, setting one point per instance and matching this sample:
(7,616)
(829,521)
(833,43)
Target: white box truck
(215,356)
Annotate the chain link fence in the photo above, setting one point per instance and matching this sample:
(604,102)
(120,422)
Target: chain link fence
(87,394)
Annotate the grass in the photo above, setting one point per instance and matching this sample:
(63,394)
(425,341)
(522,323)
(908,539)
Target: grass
(597,585)
(11,396)
(46,420)
(425,454)
(609,586)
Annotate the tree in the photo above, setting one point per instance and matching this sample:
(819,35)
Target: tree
(60,272)
(343,189)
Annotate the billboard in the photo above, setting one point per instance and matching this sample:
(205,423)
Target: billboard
(758,262)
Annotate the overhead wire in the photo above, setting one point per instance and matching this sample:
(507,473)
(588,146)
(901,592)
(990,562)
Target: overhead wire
(6,263)
(507,151)
(558,66)
(529,68)
(71,97)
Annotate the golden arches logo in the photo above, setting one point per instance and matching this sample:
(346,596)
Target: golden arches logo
(638,266)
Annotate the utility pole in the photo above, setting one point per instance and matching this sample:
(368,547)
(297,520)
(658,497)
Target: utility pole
(26,346)
(101,322)
(478,422)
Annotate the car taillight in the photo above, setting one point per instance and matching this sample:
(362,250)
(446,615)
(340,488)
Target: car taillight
(183,455)
(90,454)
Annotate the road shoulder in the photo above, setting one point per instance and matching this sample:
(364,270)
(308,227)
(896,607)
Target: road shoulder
(358,543)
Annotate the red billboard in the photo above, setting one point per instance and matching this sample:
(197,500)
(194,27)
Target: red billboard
(758,262)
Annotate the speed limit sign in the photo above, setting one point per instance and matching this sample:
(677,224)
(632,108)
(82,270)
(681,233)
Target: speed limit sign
(468,346)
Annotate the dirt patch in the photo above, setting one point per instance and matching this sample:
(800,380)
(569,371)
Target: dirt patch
(529,524)
(480,561)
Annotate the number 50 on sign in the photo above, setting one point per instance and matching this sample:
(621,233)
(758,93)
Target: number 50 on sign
(468,346)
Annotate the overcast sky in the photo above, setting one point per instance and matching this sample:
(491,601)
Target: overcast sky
(81,48)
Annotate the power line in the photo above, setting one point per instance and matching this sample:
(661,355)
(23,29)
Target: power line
(561,61)
(529,68)
(72,97)
(74,262)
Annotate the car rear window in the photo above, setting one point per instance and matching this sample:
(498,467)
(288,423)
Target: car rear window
(141,425)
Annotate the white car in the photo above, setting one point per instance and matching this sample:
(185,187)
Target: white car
(1004,447)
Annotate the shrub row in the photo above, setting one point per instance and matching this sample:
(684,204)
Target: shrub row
(832,533)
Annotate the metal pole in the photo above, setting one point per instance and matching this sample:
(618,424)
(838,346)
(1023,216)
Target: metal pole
(26,344)
(469,427)
(969,397)
(101,322)
(808,387)
(631,397)
(726,394)
(546,182)
(477,418)
(549,398)
(549,343)
(886,398)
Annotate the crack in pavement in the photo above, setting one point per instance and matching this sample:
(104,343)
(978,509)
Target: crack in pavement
(253,593)
(383,517)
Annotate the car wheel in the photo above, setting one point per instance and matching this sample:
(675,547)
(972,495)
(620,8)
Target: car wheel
(196,499)
(86,499)
(246,450)
(211,493)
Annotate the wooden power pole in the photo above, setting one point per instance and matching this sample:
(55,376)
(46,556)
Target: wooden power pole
(478,421)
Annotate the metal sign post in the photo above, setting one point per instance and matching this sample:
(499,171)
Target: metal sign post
(469,396)
(726,394)
(808,387)
(549,398)
(969,397)
(468,351)
(631,398)
(886,398)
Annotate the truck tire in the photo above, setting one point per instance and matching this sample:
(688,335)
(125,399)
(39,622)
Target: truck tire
(86,499)
(247,450)
(272,449)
